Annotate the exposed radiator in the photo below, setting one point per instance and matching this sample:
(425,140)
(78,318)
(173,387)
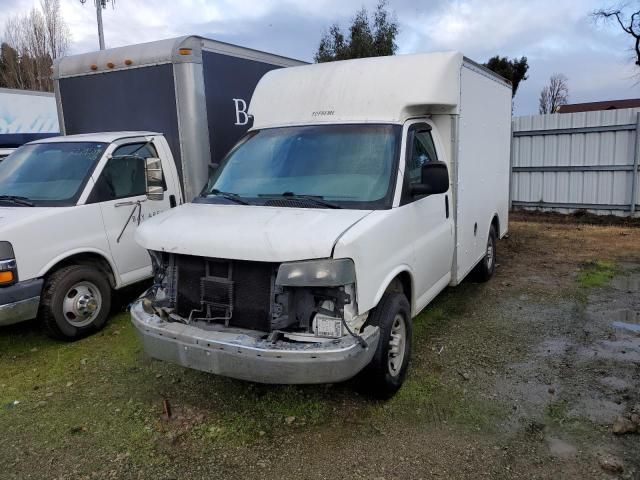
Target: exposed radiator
(238,293)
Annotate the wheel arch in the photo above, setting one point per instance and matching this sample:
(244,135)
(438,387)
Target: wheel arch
(92,257)
(495,221)
(398,280)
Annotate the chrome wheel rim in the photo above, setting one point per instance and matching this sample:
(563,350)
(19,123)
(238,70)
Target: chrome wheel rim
(490,254)
(82,304)
(397,343)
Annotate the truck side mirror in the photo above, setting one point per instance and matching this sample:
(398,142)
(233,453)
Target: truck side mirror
(154,178)
(435,179)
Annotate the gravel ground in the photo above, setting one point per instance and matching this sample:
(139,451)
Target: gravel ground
(527,376)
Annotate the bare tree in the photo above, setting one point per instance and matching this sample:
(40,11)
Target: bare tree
(12,75)
(630,23)
(30,44)
(554,94)
(57,30)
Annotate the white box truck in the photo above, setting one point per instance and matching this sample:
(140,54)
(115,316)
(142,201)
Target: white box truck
(70,205)
(363,189)
(25,115)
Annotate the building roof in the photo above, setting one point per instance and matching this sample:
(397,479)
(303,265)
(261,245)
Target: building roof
(605,105)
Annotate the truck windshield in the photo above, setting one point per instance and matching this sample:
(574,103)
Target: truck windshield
(348,166)
(48,174)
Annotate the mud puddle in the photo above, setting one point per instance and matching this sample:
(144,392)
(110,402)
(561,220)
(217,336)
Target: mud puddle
(581,373)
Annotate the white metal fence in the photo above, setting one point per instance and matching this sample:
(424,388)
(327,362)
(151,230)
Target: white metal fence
(571,161)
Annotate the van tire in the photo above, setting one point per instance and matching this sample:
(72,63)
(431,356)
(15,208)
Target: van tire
(487,266)
(379,377)
(76,289)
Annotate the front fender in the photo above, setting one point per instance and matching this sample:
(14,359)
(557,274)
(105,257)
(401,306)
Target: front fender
(82,251)
(389,278)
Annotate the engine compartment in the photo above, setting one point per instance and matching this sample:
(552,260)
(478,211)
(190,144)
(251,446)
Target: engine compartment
(240,294)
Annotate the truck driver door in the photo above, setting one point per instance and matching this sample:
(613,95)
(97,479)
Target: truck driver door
(121,191)
(432,217)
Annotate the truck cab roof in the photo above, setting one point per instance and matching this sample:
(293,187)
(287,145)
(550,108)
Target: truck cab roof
(107,137)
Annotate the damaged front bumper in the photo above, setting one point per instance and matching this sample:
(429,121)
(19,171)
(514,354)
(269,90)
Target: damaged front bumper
(246,355)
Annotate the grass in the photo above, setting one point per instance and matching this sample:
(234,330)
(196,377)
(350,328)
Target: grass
(102,394)
(559,418)
(596,273)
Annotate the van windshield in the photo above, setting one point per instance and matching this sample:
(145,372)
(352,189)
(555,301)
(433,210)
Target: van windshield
(48,174)
(348,166)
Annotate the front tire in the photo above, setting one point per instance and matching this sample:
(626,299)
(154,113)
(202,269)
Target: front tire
(487,266)
(388,368)
(76,301)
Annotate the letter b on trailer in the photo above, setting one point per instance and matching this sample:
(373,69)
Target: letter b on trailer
(241,111)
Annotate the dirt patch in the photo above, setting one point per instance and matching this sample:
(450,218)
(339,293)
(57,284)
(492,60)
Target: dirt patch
(521,377)
(581,217)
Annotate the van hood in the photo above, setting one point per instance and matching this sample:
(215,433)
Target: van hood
(247,232)
(11,217)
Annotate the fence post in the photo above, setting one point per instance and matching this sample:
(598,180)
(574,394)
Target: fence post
(511,142)
(634,172)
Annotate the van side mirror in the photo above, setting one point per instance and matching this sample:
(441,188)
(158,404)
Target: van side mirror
(435,179)
(154,178)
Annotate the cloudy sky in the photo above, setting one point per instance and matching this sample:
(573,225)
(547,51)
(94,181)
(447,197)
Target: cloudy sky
(555,35)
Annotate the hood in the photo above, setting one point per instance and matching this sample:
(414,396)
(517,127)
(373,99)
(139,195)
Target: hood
(11,217)
(247,232)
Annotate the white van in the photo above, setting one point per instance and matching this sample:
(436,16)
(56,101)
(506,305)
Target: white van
(68,211)
(363,189)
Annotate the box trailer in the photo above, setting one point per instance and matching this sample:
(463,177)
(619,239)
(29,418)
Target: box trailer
(25,115)
(362,190)
(193,90)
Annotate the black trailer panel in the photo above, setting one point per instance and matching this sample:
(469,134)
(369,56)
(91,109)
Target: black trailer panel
(194,90)
(229,84)
(139,99)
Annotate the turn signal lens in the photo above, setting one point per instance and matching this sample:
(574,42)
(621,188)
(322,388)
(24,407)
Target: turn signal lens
(184,51)
(6,277)
(110,65)
(128,62)
(94,67)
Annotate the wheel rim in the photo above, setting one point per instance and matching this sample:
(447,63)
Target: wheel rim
(82,304)
(490,253)
(397,344)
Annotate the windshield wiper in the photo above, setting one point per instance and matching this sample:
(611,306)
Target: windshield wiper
(24,201)
(233,197)
(317,199)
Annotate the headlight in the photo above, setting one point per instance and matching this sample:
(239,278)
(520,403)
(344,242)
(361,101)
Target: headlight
(317,273)
(8,268)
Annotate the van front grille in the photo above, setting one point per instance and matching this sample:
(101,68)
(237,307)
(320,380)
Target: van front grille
(217,288)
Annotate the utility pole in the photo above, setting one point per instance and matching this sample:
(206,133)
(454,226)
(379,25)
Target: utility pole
(99,17)
(100,5)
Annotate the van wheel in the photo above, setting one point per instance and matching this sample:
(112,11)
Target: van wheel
(487,266)
(75,302)
(388,368)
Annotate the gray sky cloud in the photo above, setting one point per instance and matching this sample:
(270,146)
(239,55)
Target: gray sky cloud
(555,35)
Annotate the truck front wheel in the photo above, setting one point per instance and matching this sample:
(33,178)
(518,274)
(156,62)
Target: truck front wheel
(75,302)
(388,368)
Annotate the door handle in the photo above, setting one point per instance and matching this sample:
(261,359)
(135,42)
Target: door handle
(446,205)
(130,203)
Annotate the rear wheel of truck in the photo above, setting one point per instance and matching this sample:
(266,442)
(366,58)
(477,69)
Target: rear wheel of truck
(487,266)
(76,301)
(388,368)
